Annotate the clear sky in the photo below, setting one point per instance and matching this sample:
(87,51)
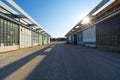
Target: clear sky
(57,16)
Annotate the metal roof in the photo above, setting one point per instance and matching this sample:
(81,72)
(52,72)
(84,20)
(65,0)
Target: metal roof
(21,14)
(102,3)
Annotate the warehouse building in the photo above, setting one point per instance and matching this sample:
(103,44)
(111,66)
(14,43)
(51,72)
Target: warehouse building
(18,29)
(103,30)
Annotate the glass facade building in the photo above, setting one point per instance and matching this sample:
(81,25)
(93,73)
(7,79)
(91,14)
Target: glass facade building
(108,30)
(108,33)
(16,30)
(9,33)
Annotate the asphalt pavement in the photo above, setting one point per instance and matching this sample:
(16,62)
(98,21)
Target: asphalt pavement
(61,61)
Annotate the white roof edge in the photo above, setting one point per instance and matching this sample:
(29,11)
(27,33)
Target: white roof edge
(7,7)
(24,13)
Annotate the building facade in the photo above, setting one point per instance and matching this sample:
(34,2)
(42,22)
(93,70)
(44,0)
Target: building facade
(103,31)
(16,32)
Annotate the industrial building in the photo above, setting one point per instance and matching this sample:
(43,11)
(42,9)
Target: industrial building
(103,30)
(18,29)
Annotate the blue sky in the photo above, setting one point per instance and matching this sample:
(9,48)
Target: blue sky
(57,16)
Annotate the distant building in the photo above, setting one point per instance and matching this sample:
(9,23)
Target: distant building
(58,39)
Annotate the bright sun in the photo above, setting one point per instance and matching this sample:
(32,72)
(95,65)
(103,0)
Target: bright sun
(86,20)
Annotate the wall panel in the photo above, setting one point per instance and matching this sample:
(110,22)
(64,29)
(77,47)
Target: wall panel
(89,37)
(25,37)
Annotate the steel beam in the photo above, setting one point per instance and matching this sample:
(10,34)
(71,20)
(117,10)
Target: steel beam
(7,8)
(24,13)
(31,25)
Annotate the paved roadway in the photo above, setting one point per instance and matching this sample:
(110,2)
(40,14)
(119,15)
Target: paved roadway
(64,62)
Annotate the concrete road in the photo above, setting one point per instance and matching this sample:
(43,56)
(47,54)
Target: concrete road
(64,62)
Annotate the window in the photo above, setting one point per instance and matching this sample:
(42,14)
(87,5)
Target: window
(9,33)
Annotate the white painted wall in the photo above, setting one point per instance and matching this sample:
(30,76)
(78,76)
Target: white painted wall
(40,39)
(35,39)
(48,40)
(45,40)
(25,38)
(89,35)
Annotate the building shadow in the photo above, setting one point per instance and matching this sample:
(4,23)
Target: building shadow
(11,68)
(51,67)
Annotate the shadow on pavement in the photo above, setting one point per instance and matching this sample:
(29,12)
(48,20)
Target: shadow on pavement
(11,68)
(51,67)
